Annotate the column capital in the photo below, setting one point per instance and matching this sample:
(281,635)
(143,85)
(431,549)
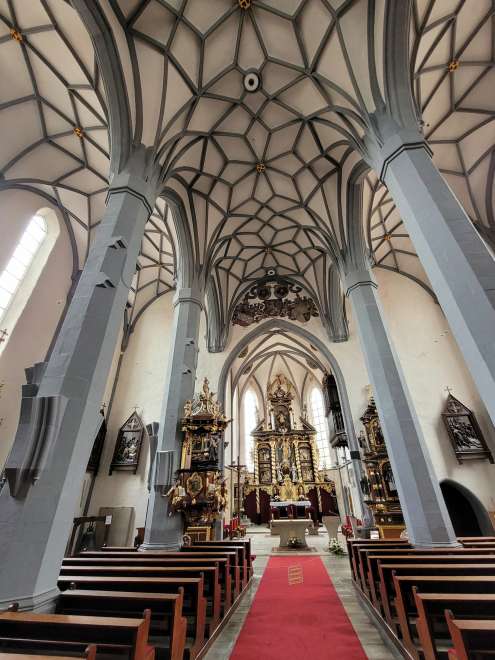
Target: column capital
(138,178)
(356,278)
(395,140)
(188,295)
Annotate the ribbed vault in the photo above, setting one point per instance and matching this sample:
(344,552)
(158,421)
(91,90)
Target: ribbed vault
(261,175)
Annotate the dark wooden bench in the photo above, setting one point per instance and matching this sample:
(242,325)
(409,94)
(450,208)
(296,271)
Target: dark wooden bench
(476,539)
(359,559)
(445,584)
(194,608)
(89,654)
(244,543)
(471,639)
(388,571)
(431,625)
(241,552)
(478,544)
(28,631)
(354,544)
(209,574)
(168,626)
(229,573)
(375,577)
(119,548)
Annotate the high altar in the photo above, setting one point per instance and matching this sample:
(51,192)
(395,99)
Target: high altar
(286,461)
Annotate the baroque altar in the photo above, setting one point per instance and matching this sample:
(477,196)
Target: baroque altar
(199,492)
(285,460)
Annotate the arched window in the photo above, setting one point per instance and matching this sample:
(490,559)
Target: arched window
(22,258)
(250,405)
(320,423)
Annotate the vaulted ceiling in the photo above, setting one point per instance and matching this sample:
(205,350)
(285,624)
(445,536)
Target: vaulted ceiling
(262,173)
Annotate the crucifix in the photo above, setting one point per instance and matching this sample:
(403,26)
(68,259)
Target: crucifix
(448,390)
(236,466)
(3,335)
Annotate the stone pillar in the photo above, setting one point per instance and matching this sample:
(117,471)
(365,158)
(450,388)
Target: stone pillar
(425,513)
(458,263)
(164,531)
(53,442)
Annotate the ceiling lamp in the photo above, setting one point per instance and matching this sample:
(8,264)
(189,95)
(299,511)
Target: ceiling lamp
(252,81)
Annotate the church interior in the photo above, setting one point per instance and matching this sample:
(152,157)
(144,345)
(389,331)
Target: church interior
(247,329)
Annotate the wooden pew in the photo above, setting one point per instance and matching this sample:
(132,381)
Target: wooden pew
(444,584)
(209,574)
(89,654)
(431,625)
(353,544)
(168,626)
(119,548)
(476,539)
(194,601)
(360,551)
(471,638)
(388,571)
(479,544)
(57,632)
(244,543)
(229,573)
(374,562)
(241,557)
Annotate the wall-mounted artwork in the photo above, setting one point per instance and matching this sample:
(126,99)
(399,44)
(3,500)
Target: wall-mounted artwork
(464,433)
(128,445)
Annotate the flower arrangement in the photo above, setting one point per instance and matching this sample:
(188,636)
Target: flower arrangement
(293,542)
(335,548)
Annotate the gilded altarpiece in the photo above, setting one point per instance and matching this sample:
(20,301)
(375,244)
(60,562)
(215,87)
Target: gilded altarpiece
(285,460)
(378,484)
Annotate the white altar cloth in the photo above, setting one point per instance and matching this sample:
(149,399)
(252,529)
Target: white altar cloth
(278,505)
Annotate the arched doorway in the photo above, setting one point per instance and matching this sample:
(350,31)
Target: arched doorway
(469,517)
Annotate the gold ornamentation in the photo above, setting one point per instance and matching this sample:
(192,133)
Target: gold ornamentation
(260,167)
(79,132)
(244,4)
(16,35)
(387,237)
(453,66)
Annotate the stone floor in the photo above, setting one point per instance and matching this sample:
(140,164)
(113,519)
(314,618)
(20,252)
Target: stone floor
(338,569)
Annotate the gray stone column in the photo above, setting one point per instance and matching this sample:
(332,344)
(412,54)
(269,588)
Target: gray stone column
(164,531)
(425,513)
(458,263)
(53,442)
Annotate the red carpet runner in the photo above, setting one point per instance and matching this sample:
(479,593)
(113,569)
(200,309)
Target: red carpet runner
(297,621)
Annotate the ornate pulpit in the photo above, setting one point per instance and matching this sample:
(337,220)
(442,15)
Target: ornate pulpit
(199,492)
(378,484)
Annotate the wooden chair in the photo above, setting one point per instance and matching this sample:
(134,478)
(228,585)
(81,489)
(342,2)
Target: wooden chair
(33,632)
(168,626)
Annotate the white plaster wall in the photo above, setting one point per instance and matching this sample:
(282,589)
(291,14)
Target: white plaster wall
(431,361)
(36,325)
(141,383)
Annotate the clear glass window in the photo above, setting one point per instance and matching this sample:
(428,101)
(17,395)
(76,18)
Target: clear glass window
(319,421)
(15,271)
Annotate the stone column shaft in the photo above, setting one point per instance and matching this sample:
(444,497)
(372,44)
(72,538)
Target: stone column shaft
(34,527)
(425,513)
(163,531)
(459,265)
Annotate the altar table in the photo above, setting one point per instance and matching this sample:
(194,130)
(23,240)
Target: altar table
(291,528)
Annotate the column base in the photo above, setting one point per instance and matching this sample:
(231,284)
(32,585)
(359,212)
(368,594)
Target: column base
(146,547)
(42,602)
(438,544)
